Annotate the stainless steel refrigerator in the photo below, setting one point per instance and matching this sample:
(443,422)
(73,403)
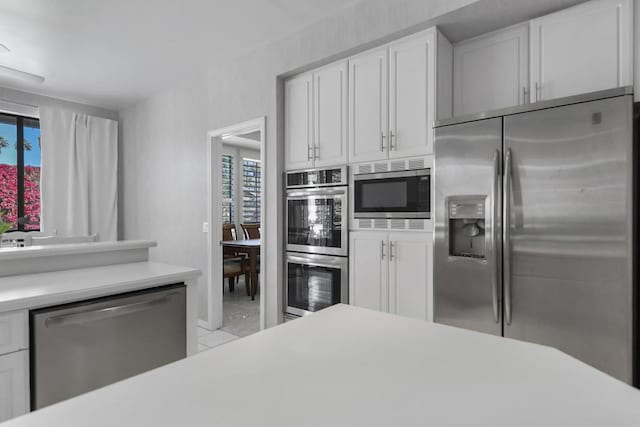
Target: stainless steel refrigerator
(533,216)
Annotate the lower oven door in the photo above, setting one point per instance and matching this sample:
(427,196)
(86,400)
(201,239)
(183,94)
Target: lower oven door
(317,221)
(315,282)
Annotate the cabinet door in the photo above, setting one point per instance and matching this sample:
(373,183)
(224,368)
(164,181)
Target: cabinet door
(411,96)
(298,116)
(582,49)
(368,81)
(491,71)
(368,269)
(14,392)
(410,274)
(330,108)
(14,331)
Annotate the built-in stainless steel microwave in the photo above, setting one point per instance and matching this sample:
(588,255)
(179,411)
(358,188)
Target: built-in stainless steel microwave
(401,194)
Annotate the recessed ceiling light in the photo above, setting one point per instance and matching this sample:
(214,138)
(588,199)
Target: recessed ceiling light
(22,75)
(3,48)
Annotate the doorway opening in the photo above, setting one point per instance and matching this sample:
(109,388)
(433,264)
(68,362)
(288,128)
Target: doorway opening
(235,216)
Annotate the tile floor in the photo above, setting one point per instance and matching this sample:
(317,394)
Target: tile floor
(241,317)
(209,339)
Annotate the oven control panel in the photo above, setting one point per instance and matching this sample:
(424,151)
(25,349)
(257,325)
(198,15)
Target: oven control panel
(317,177)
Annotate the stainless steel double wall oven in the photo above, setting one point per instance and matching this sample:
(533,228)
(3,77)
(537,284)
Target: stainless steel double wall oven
(316,239)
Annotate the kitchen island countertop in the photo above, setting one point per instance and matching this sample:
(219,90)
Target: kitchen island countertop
(29,291)
(347,366)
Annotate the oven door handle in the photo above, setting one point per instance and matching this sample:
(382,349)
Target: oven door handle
(317,193)
(332,262)
(412,173)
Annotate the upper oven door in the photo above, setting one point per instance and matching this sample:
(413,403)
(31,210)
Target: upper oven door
(317,221)
(405,194)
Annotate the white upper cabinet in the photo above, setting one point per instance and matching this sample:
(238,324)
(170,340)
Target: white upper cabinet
(411,96)
(298,111)
(395,94)
(368,104)
(330,115)
(410,274)
(368,269)
(378,105)
(582,49)
(491,71)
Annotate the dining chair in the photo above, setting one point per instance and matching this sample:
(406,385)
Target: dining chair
(229,233)
(232,269)
(234,264)
(251,231)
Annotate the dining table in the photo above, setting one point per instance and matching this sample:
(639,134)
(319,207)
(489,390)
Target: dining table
(251,247)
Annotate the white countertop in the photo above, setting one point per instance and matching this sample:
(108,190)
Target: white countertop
(28,291)
(347,366)
(8,254)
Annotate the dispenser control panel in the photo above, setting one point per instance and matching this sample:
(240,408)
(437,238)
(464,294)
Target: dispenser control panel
(466,209)
(466,226)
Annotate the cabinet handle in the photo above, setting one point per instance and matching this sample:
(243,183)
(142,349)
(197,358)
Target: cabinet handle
(309,152)
(382,137)
(525,92)
(316,152)
(382,250)
(391,138)
(391,254)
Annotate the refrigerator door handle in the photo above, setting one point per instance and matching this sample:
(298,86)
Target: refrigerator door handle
(495,191)
(506,238)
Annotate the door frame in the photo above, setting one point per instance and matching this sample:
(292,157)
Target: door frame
(214,215)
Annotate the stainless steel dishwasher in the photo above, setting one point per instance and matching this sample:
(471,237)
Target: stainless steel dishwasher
(79,347)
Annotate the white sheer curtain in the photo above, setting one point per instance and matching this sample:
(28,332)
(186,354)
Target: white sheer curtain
(79,178)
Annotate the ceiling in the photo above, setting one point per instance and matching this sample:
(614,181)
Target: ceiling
(249,140)
(114,53)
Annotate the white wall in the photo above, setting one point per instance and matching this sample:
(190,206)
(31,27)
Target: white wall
(163,172)
(168,131)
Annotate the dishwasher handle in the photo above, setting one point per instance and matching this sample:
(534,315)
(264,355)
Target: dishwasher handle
(106,313)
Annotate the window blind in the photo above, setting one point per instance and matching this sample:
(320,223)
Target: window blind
(251,191)
(228,214)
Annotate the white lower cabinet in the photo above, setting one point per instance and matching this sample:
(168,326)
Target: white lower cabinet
(368,270)
(14,388)
(410,261)
(392,272)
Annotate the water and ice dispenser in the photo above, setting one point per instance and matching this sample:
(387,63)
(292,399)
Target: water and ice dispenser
(467,226)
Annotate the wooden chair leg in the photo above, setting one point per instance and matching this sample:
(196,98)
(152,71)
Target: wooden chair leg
(247,284)
(232,283)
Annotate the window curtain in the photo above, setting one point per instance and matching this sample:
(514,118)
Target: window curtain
(79,177)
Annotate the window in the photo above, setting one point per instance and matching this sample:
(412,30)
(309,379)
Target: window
(20,171)
(251,191)
(227,189)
